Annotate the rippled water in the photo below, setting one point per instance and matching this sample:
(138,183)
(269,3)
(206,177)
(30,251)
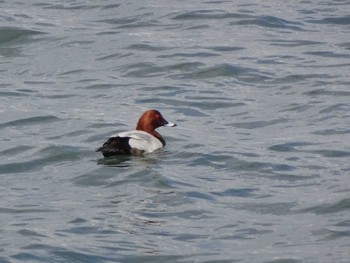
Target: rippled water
(256,171)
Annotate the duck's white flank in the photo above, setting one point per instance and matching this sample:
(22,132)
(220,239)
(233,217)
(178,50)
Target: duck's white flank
(141,140)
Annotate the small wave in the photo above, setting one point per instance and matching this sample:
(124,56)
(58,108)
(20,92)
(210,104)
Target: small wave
(238,192)
(340,206)
(258,124)
(48,156)
(145,47)
(332,131)
(330,153)
(327,54)
(8,34)
(207,14)
(325,92)
(270,22)
(30,121)
(288,147)
(343,20)
(240,73)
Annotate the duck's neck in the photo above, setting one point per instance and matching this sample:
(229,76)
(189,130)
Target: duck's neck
(152,132)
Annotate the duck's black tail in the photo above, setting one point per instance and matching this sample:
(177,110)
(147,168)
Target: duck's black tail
(115,146)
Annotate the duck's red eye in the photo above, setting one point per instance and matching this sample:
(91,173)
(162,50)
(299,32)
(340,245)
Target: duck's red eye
(157,116)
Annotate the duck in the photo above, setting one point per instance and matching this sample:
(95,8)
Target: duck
(144,139)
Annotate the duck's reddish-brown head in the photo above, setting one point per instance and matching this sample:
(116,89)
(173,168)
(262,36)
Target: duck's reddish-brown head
(151,120)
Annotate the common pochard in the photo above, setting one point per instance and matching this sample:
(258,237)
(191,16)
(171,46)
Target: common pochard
(144,139)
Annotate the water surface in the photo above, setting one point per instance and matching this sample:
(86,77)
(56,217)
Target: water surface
(256,171)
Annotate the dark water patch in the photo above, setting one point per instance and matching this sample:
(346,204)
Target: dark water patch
(289,147)
(282,208)
(70,134)
(120,21)
(142,70)
(50,155)
(87,230)
(326,92)
(72,72)
(258,124)
(165,90)
(103,124)
(188,111)
(342,20)
(199,195)
(151,257)
(237,192)
(284,260)
(101,176)
(77,43)
(207,15)
(16,150)
(292,179)
(117,171)
(140,24)
(138,21)
(332,131)
(345,223)
(23,256)
(35,82)
(295,147)
(199,27)
(337,207)
(204,105)
(270,22)
(332,234)
(11,93)
(146,47)
(336,108)
(226,70)
(345,45)
(4,210)
(190,237)
(218,161)
(190,55)
(293,43)
(100,86)
(330,66)
(114,56)
(270,61)
(295,107)
(9,34)
(110,6)
(30,121)
(29,233)
(75,256)
(195,214)
(46,253)
(45,24)
(295,78)
(327,54)
(225,48)
(246,234)
(283,167)
(330,153)
(246,166)
(66,6)
(61,96)
(3,259)
(78,221)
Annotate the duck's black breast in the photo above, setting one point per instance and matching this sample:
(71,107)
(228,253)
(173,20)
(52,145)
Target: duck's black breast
(115,146)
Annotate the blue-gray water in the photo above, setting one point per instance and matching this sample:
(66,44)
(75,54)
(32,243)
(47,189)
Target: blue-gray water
(258,169)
